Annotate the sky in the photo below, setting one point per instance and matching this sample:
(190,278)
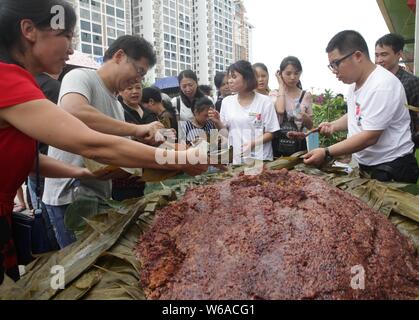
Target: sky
(303,28)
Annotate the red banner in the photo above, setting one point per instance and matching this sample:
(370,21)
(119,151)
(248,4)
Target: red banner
(412,4)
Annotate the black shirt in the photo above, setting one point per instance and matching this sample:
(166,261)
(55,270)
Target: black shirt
(49,86)
(411,86)
(51,89)
(132,116)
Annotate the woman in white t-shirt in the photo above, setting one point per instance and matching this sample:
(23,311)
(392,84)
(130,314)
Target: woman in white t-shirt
(249,117)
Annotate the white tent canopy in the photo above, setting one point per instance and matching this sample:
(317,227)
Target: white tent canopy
(81,59)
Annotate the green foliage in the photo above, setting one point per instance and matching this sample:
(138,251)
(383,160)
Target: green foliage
(326,108)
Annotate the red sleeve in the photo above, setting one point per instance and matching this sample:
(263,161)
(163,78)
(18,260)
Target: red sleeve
(17,86)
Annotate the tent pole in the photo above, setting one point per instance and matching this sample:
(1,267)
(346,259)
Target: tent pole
(416,53)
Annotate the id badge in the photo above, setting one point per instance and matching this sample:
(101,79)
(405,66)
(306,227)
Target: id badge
(256,119)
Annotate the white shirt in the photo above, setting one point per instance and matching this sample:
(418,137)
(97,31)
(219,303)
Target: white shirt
(380,105)
(245,124)
(185,113)
(89,84)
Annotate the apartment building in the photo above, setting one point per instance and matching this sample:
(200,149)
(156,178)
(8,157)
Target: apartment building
(203,35)
(99,23)
(189,34)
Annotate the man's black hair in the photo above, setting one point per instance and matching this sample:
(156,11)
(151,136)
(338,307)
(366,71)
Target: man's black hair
(348,41)
(393,40)
(134,47)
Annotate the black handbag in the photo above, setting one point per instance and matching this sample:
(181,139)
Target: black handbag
(33,234)
(284,146)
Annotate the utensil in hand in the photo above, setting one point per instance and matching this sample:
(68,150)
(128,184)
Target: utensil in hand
(301,135)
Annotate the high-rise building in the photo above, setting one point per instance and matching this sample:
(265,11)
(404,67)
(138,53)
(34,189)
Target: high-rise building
(99,23)
(213,37)
(203,35)
(168,25)
(242,33)
(190,34)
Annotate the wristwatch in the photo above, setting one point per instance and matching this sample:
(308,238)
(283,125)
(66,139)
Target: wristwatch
(328,157)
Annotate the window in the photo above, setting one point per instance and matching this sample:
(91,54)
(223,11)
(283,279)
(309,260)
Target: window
(97,39)
(110,21)
(95,4)
(85,25)
(97,51)
(85,14)
(120,13)
(85,48)
(111,32)
(86,37)
(96,17)
(110,10)
(96,28)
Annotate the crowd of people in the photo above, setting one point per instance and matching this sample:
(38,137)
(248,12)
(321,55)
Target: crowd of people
(106,115)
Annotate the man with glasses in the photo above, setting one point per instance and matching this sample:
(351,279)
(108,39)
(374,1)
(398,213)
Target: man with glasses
(377,121)
(91,96)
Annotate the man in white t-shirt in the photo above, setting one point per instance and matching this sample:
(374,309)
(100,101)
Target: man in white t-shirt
(377,121)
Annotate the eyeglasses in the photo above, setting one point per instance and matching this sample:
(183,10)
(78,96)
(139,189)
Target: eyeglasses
(140,70)
(333,66)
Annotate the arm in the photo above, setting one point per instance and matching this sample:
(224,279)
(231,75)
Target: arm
(214,116)
(280,100)
(66,132)
(265,138)
(51,168)
(78,106)
(308,112)
(329,128)
(351,145)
